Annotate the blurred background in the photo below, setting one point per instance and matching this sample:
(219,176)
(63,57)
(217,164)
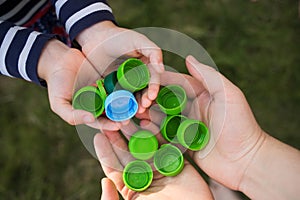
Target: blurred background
(256,44)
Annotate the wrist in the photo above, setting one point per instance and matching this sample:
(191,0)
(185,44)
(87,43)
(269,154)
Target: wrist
(255,162)
(273,172)
(95,31)
(52,52)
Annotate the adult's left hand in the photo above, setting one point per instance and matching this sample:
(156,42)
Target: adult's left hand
(113,155)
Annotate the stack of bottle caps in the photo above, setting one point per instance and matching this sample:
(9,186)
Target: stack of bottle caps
(114,95)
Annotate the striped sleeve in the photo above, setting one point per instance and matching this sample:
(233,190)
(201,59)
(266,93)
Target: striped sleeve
(77,15)
(20,49)
(20,11)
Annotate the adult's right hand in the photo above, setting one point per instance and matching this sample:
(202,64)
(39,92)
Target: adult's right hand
(240,155)
(230,120)
(235,136)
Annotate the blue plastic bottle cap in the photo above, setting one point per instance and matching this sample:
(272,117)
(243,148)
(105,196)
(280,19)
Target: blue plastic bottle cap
(120,105)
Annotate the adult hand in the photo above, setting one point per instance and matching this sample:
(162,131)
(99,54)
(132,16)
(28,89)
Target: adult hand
(113,155)
(58,66)
(234,134)
(237,135)
(109,190)
(244,157)
(104,43)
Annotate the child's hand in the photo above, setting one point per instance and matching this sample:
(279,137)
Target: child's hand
(104,43)
(59,66)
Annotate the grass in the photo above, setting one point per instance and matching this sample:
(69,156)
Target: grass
(255,44)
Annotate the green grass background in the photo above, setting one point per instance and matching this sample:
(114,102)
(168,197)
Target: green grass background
(255,44)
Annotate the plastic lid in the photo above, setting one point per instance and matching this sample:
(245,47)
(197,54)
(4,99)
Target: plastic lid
(193,134)
(110,82)
(169,127)
(120,105)
(100,85)
(143,144)
(168,160)
(138,175)
(133,75)
(89,99)
(171,99)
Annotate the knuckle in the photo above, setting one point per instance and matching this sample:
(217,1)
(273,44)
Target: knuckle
(70,120)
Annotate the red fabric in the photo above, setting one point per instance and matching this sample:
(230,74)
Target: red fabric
(38,15)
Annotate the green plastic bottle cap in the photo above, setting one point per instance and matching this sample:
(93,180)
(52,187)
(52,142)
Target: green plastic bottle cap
(137,175)
(100,85)
(168,160)
(143,144)
(133,75)
(193,134)
(110,82)
(169,127)
(172,99)
(90,99)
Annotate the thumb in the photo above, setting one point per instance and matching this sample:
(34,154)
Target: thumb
(211,79)
(63,108)
(109,190)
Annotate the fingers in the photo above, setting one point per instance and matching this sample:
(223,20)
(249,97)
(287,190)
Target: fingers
(138,97)
(192,86)
(145,102)
(211,79)
(64,109)
(129,129)
(149,94)
(148,125)
(152,114)
(108,159)
(147,48)
(104,124)
(87,74)
(154,55)
(119,146)
(109,190)
(154,84)
(106,155)
(72,71)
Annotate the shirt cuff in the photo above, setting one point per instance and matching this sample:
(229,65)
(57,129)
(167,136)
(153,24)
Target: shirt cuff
(78,15)
(20,50)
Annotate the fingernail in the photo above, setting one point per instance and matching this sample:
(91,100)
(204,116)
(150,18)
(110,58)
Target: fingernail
(88,119)
(141,110)
(192,59)
(152,95)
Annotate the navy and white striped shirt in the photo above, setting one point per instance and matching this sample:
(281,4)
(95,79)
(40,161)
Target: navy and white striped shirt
(21,47)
